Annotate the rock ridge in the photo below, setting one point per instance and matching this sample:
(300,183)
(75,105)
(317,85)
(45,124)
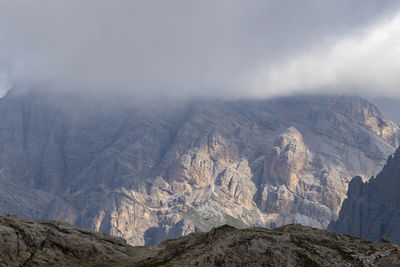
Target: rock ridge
(49,243)
(371,208)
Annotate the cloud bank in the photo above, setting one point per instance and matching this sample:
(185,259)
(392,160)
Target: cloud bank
(187,48)
(367,63)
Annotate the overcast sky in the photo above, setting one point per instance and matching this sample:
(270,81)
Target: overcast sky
(202,48)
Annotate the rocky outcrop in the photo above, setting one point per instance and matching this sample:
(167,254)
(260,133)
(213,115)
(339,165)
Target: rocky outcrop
(291,245)
(371,209)
(49,243)
(147,173)
(289,159)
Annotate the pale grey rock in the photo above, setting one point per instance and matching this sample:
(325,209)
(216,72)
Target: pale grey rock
(156,172)
(21,200)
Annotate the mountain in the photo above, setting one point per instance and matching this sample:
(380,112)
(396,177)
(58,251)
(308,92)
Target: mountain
(371,210)
(388,106)
(49,243)
(147,172)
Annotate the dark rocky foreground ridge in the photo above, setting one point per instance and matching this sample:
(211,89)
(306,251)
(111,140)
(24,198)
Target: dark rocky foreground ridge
(372,209)
(45,243)
(151,172)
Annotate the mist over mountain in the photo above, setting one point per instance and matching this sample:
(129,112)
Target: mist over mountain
(147,173)
(187,49)
(154,120)
(389,107)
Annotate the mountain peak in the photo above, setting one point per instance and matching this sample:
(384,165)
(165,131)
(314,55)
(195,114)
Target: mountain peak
(370,211)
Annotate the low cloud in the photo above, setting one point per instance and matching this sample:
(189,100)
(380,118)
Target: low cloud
(185,48)
(367,63)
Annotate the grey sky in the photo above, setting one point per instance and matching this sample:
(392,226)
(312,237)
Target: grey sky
(201,48)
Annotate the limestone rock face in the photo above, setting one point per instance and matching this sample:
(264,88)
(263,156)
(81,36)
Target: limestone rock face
(371,209)
(147,173)
(288,160)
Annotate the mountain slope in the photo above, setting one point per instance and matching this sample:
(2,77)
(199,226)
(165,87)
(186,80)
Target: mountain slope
(48,243)
(147,173)
(28,243)
(290,245)
(371,210)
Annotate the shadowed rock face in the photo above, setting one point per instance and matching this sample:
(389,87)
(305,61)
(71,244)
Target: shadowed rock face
(371,210)
(29,243)
(162,171)
(291,245)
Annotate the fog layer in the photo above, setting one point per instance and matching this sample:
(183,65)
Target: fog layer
(201,48)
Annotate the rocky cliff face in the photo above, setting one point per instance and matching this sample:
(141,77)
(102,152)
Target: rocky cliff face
(371,210)
(50,243)
(161,171)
